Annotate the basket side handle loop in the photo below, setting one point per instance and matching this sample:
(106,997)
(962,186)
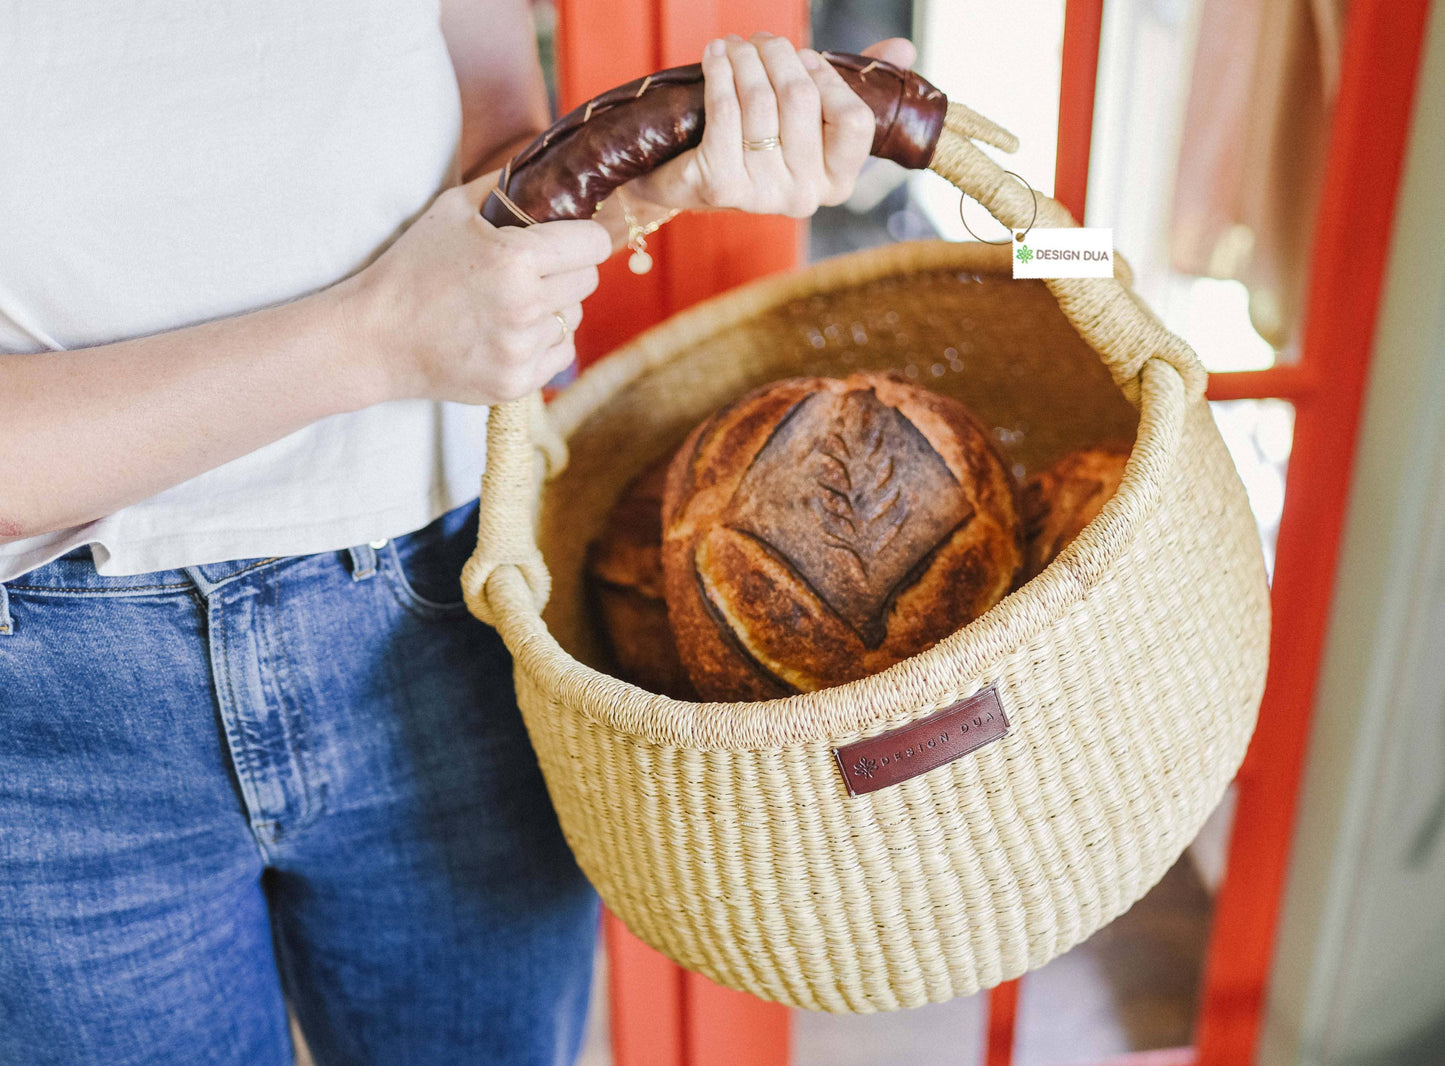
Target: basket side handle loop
(1106,313)
(504,530)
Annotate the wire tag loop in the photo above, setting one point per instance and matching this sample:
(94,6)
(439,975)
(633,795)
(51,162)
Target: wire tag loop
(963,196)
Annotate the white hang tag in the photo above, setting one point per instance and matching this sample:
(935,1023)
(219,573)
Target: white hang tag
(1064,253)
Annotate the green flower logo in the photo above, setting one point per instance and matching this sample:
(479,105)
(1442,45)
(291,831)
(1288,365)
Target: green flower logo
(1024,253)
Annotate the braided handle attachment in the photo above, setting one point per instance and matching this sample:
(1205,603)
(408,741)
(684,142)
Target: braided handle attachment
(504,530)
(1106,313)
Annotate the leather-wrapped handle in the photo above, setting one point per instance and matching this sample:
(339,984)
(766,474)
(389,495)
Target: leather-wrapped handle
(624,133)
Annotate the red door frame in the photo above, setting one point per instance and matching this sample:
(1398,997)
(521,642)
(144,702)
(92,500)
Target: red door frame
(663,1016)
(1369,135)
(601,45)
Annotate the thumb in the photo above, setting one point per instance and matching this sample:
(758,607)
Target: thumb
(896,50)
(477,188)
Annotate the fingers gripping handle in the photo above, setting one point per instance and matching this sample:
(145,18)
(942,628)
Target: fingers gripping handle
(633,129)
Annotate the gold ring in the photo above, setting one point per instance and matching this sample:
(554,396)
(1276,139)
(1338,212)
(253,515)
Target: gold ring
(566,329)
(767,144)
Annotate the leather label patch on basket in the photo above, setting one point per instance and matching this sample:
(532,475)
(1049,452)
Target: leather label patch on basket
(910,750)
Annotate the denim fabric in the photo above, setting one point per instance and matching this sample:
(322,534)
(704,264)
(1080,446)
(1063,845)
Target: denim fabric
(303,779)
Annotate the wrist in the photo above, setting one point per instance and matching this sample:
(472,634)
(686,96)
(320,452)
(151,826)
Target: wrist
(362,335)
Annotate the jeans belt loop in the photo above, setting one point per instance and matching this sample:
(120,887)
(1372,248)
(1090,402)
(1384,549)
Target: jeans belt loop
(7,627)
(363,562)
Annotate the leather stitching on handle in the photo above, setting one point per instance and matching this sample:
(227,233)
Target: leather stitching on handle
(555,176)
(510,205)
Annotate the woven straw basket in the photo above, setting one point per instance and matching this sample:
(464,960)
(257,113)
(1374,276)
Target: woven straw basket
(1131,670)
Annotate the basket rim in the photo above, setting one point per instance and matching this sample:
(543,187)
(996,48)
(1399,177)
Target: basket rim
(952,669)
(660,342)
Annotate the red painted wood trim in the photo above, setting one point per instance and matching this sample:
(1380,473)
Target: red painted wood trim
(596,46)
(600,46)
(1288,381)
(1003,1009)
(726,1028)
(1352,235)
(1078,76)
(702,255)
(645,1000)
(660,1015)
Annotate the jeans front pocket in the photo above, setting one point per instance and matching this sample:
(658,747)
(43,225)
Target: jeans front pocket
(425,567)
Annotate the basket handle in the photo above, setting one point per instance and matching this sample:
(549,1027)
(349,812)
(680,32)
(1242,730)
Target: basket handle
(1107,315)
(626,132)
(632,130)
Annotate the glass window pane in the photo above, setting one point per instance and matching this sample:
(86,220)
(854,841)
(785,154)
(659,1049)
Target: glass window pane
(1146,62)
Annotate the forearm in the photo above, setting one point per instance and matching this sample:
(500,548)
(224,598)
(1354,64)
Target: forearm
(493,48)
(87,432)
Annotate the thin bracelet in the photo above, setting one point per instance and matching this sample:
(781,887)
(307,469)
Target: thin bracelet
(639,262)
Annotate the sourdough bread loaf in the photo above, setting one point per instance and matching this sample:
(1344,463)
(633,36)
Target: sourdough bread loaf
(1057,503)
(624,571)
(817,530)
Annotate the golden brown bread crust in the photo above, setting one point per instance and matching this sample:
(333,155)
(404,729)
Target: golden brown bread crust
(1057,503)
(818,530)
(624,571)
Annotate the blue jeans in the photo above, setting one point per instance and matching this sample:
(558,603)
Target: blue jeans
(304,780)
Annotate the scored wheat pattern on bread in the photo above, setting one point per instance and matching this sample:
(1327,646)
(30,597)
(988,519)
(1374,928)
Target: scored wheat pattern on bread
(825,494)
(819,529)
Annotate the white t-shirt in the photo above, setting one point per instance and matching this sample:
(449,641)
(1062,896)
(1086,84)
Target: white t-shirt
(165,162)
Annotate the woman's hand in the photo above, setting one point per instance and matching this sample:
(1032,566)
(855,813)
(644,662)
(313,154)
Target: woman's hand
(756,91)
(458,309)
(453,310)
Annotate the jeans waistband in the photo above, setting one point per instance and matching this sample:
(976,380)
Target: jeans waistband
(75,572)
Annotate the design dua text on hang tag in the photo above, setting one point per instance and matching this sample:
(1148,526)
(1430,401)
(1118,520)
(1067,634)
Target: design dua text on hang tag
(1064,253)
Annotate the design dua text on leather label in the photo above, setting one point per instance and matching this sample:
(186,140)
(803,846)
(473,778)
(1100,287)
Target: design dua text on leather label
(910,750)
